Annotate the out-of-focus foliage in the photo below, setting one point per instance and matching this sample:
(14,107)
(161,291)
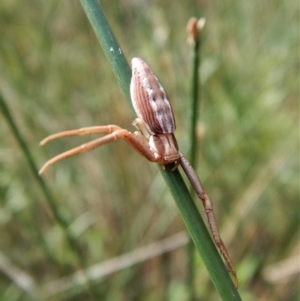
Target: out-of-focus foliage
(54,76)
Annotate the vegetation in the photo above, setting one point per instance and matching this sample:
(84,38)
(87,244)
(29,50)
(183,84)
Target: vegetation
(111,201)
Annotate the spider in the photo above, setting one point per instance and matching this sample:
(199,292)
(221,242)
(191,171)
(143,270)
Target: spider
(154,139)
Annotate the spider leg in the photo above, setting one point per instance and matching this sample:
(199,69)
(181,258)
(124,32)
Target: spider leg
(84,147)
(114,133)
(193,178)
(82,131)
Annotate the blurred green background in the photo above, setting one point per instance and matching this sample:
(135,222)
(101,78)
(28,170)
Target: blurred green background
(54,77)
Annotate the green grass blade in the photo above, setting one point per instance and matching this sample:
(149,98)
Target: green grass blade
(200,235)
(194,147)
(63,223)
(188,210)
(110,45)
(31,162)
(195,101)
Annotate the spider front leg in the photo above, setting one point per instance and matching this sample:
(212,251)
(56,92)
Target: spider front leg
(114,132)
(82,131)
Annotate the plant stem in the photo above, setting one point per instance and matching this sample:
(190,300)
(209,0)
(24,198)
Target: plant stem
(186,206)
(63,223)
(195,104)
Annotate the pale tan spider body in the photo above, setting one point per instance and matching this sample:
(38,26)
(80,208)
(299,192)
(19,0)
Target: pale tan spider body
(154,139)
(155,114)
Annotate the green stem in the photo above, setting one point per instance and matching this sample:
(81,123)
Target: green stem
(74,247)
(186,206)
(33,167)
(200,235)
(110,45)
(195,104)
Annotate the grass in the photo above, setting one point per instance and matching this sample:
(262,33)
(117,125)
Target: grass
(55,77)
